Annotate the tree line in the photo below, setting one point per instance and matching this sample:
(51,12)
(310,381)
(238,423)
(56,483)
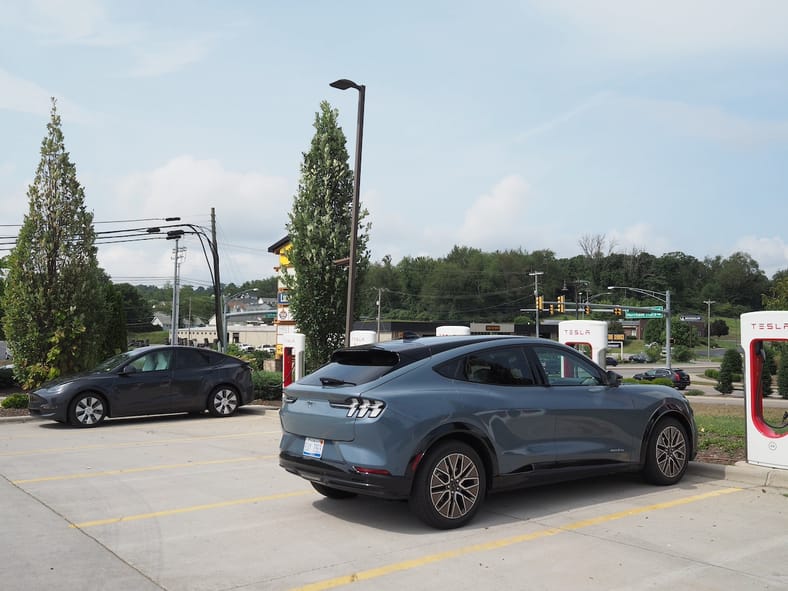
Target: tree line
(471,285)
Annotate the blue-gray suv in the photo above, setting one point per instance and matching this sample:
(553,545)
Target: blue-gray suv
(442,421)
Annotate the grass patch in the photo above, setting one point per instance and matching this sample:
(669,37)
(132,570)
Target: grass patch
(721,426)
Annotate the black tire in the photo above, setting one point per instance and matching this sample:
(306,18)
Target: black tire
(449,486)
(332,493)
(87,410)
(667,454)
(223,401)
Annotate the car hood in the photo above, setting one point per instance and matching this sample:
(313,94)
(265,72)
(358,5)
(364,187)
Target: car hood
(68,379)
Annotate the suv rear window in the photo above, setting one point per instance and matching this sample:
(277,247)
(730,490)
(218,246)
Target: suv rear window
(353,367)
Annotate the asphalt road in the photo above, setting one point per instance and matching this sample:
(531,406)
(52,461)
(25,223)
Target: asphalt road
(193,503)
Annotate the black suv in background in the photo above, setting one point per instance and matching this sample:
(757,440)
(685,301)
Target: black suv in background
(679,377)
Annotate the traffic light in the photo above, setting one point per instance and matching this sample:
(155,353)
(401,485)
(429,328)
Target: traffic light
(540,302)
(552,309)
(561,306)
(587,309)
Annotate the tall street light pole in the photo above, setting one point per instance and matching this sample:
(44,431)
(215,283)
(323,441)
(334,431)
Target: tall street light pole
(535,275)
(344,84)
(662,297)
(708,327)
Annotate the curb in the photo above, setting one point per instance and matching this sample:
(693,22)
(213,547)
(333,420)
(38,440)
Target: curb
(246,408)
(742,472)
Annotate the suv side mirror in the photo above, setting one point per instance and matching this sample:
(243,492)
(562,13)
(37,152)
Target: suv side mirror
(127,369)
(613,378)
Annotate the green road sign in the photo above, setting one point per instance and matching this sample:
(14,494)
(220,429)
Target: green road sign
(636,315)
(652,312)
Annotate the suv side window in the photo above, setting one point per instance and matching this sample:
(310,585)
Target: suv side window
(567,368)
(500,367)
(189,358)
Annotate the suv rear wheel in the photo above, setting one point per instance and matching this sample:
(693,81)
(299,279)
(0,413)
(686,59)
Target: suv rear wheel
(449,486)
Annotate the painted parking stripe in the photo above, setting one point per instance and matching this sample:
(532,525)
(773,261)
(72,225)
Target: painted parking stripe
(193,508)
(388,569)
(139,469)
(32,452)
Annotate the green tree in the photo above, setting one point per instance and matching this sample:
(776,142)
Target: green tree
(115,335)
(731,364)
(777,298)
(136,309)
(319,227)
(54,299)
(719,328)
(769,369)
(782,374)
(654,331)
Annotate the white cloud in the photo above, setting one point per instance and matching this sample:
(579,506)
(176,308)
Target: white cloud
(671,27)
(22,95)
(771,253)
(58,19)
(704,121)
(163,58)
(251,213)
(87,23)
(641,237)
(498,217)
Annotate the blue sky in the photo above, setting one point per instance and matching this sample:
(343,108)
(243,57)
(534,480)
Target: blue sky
(497,125)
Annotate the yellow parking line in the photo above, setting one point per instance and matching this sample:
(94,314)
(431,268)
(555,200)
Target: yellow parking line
(374,573)
(140,469)
(31,452)
(191,509)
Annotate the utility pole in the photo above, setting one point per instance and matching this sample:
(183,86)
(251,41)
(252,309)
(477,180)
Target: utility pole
(535,275)
(218,304)
(175,286)
(708,327)
(377,333)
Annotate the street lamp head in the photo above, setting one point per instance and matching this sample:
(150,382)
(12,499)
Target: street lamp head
(344,84)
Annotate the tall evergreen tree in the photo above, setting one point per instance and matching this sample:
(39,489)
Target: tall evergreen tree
(319,229)
(55,312)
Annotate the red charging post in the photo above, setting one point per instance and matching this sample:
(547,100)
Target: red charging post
(288,365)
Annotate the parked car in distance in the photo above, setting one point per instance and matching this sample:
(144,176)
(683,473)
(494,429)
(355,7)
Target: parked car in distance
(442,421)
(679,377)
(637,358)
(150,380)
(611,361)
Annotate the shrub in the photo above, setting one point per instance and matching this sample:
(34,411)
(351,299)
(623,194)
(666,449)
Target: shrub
(7,377)
(712,373)
(782,375)
(267,384)
(681,353)
(17,400)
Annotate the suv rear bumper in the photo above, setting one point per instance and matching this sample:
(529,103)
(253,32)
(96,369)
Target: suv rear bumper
(376,485)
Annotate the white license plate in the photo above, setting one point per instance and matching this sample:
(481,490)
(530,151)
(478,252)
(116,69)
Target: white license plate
(313,448)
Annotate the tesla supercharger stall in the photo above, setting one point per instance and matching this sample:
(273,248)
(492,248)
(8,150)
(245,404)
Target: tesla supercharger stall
(582,334)
(765,445)
(293,353)
(362,337)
